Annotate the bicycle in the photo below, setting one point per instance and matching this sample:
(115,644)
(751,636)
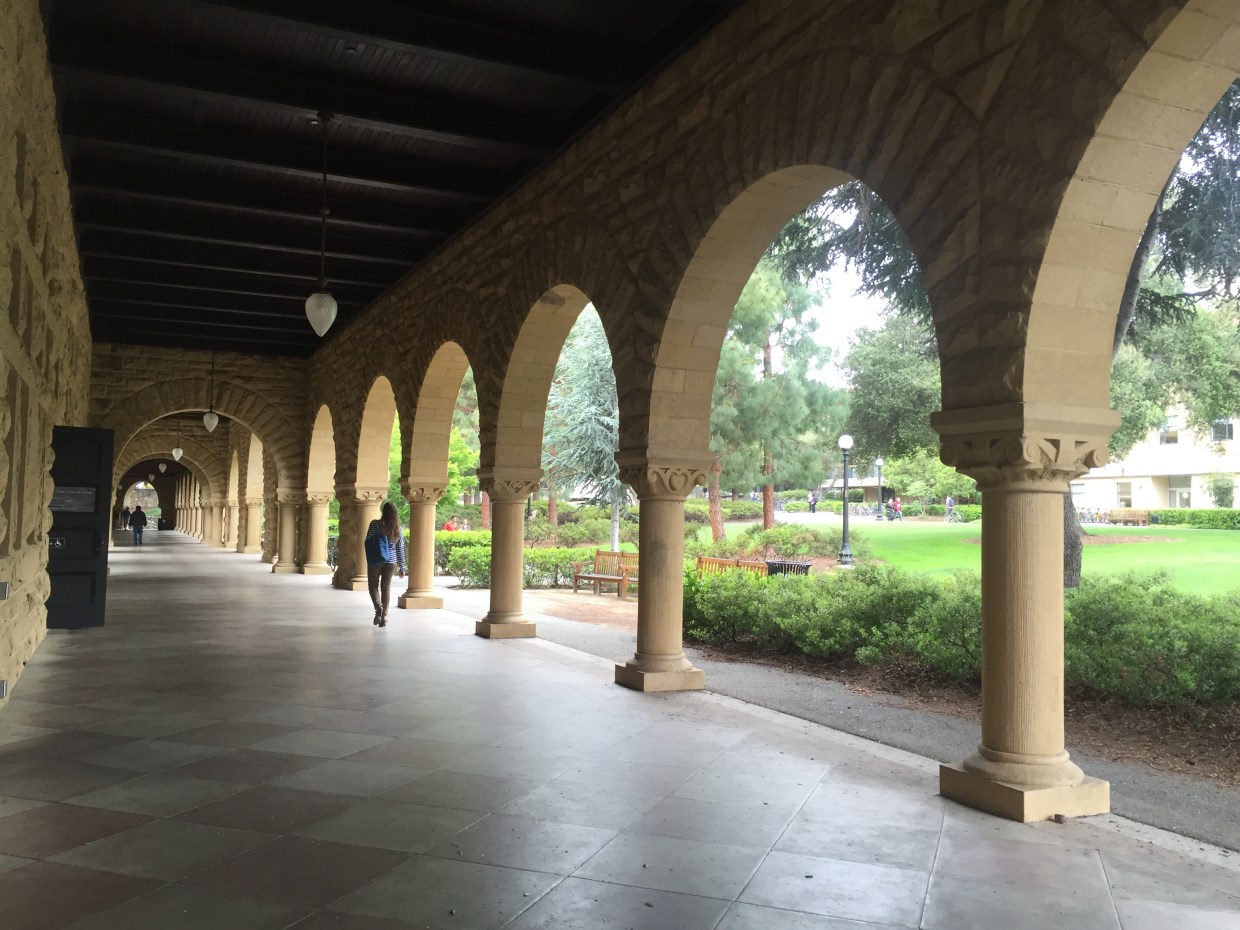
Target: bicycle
(953,516)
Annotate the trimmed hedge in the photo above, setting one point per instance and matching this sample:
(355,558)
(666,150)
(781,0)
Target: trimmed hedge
(541,568)
(1132,637)
(1218,519)
(448,542)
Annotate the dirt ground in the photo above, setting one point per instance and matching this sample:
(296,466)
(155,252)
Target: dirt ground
(1199,743)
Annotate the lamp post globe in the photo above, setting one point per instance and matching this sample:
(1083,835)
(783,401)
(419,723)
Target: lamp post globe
(878,463)
(846,556)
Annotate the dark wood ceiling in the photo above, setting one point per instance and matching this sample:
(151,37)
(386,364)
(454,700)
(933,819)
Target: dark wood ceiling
(195,162)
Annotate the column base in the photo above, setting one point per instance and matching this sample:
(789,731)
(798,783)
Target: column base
(688,679)
(317,568)
(1026,805)
(419,601)
(285,568)
(357,584)
(249,550)
(511,629)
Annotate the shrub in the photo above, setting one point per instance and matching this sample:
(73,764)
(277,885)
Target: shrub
(944,633)
(447,507)
(792,540)
(539,529)
(552,568)
(797,507)
(446,543)
(586,531)
(472,564)
(1199,519)
(697,513)
(791,495)
(741,510)
(1222,489)
(969,513)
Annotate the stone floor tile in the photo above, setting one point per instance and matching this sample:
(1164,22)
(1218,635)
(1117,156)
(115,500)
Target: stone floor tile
(728,821)
(8,863)
(17,805)
(426,891)
(47,895)
(353,779)
(511,763)
(338,920)
(835,888)
(187,908)
(54,828)
(148,725)
(297,870)
(247,766)
(295,715)
(753,917)
(670,864)
(64,716)
(13,732)
(62,744)
(415,753)
(1188,882)
(874,842)
(647,778)
(769,762)
(379,723)
(714,785)
(158,794)
(521,843)
(956,901)
(151,755)
(165,849)
(232,734)
(577,902)
(462,791)
(995,860)
(480,732)
(326,744)
(589,805)
(384,824)
(268,809)
(1158,915)
(849,804)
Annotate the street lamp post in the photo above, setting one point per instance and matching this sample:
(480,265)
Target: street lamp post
(846,556)
(878,462)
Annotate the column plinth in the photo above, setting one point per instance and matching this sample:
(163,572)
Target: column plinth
(660,663)
(1023,457)
(253,543)
(420,592)
(234,525)
(508,489)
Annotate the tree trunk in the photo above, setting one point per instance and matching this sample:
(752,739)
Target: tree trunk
(485,516)
(768,491)
(615,526)
(553,509)
(716,508)
(736,493)
(1072,546)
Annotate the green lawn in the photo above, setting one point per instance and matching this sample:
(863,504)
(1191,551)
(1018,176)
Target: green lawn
(1201,561)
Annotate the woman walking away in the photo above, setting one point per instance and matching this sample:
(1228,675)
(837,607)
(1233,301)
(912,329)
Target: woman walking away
(385,554)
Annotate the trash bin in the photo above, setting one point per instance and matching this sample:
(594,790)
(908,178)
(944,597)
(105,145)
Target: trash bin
(786,567)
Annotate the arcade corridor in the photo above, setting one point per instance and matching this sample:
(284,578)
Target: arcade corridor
(244,750)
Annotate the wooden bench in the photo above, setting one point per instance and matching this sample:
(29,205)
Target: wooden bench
(710,566)
(618,568)
(1130,517)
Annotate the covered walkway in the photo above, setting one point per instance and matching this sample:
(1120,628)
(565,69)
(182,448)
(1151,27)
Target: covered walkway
(242,750)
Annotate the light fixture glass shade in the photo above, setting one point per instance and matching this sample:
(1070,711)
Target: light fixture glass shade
(846,442)
(163,467)
(177,453)
(210,420)
(321,311)
(879,461)
(151,476)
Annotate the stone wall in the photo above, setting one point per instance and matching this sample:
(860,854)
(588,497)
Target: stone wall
(44,332)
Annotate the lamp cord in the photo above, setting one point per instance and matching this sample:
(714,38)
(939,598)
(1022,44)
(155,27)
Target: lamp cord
(323,117)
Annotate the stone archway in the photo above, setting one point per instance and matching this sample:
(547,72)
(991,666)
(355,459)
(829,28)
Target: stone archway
(250,539)
(320,490)
(370,484)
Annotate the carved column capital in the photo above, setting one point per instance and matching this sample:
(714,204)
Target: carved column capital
(509,485)
(319,498)
(291,496)
(421,491)
(254,502)
(1031,447)
(361,494)
(669,478)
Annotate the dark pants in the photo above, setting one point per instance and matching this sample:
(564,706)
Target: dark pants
(137,535)
(379,577)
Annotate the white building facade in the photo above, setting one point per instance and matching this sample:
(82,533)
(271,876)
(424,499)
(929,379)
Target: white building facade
(1167,469)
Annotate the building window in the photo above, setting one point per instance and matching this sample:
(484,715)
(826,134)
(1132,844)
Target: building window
(1222,431)
(1168,436)
(1123,494)
(1179,491)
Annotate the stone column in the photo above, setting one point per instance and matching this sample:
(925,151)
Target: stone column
(351,547)
(234,525)
(422,498)
(508,489)
(215,523)
(286,559)
(1023,457)
(316,535)
(253,544)
(660,663)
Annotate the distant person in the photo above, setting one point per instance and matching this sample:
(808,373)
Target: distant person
(125,517)
(451,526)
(137,520)
(813,501)
(898,509)
(950,506)
(385,554)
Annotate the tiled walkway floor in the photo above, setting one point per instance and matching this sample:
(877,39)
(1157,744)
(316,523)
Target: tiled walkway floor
(242,750)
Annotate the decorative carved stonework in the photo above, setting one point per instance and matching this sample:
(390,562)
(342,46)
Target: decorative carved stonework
(254,502)
(661,480)
(362,495)
(319,498)
(290,496)
(422,493)
(1022,446)
(507,486)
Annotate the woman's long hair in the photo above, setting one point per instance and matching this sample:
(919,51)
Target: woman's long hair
(389,521)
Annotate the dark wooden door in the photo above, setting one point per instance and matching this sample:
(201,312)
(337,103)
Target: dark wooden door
(77,557)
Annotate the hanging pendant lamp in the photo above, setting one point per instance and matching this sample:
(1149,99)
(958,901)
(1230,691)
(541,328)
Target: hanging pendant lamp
(211,419)
(163,467)
(177,451)
(321,305)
